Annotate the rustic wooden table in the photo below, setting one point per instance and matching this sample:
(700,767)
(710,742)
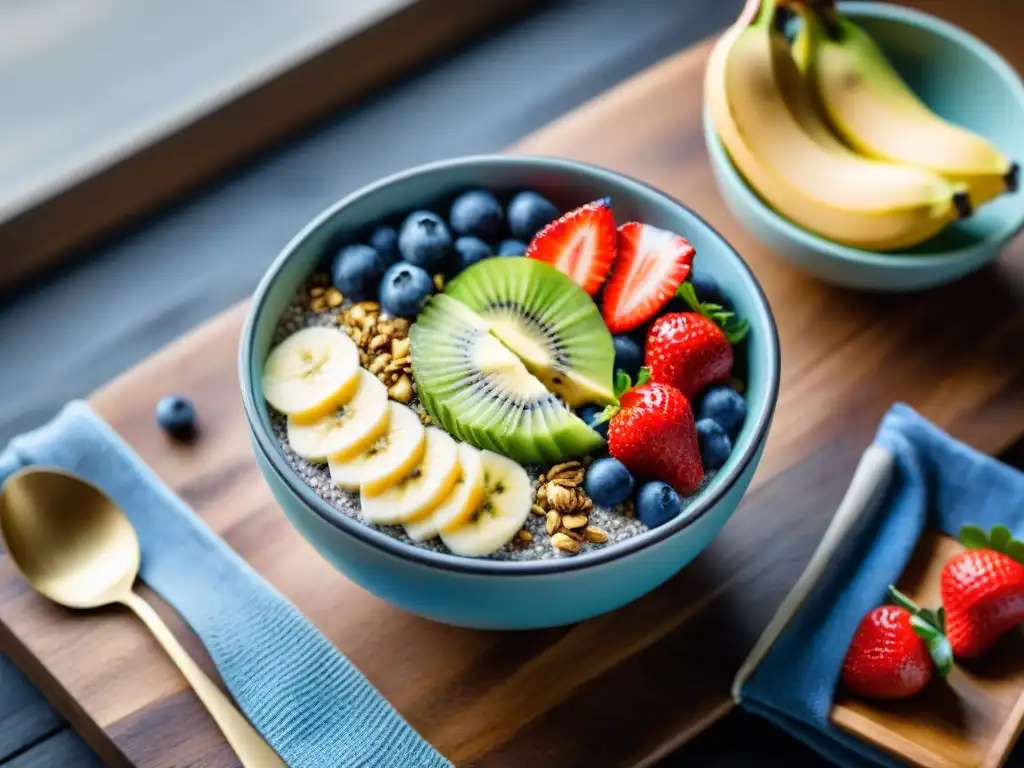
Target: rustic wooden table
(499,699)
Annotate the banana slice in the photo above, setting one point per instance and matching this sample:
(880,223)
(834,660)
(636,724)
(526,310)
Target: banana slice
(415,496)
(348,429)
(388,460)
(461,501)
(508,495)
(308,374)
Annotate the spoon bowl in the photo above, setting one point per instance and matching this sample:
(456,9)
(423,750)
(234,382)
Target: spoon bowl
(67,538)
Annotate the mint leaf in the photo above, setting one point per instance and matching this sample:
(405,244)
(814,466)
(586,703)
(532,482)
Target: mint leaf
(973,537)
(643,376)
(999,538)
(940,616)
(621,382)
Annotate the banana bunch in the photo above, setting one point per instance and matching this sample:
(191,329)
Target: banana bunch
(828,134)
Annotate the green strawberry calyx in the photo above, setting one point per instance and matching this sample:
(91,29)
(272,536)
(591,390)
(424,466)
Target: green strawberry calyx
(735,328)
(930,626)
(999,539)
(621,383)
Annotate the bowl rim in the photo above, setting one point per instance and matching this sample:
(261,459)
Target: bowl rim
(266,443)
(889,260)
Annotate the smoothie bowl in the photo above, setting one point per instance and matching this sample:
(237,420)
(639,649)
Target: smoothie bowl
(509,392)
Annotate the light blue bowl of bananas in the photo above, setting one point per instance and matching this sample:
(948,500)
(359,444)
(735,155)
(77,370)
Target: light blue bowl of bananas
(877,149)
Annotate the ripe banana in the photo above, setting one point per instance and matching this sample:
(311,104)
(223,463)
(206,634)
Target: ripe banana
(769,127)
(508,495)
(311,372)
(875,112)
(388,460)
(346,431)
(417,494)
(460,503)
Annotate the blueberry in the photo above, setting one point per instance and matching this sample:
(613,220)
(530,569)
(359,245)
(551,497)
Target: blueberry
(384,240)
(725,406)
(357,270)
(590,412)
(528,213)
(176,415)
(628,355)
(608,482)
(715,445)
(425,240)
(512,248)
(707,288)
(657,503)
(477,213)
(404,289)
(470,250)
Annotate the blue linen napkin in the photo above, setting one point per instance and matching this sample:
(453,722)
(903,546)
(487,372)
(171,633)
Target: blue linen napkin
(310,703)
(938,482)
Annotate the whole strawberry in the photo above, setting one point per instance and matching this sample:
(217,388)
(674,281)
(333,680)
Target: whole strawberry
(654,435)
(982,591)
(691,350)
(886,659)
(894,649)
(687,351)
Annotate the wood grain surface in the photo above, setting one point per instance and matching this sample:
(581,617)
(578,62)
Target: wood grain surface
(624,689)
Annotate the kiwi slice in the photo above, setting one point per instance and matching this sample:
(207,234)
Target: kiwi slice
(479,392)
(547,320)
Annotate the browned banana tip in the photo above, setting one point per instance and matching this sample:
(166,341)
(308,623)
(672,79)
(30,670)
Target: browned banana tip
(962,204)
(1012,178)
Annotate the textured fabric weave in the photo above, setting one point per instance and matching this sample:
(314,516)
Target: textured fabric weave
(939,482)
(313,706)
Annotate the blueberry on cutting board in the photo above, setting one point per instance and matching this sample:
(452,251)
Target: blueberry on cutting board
(477,213)
(528,213)
(176,415)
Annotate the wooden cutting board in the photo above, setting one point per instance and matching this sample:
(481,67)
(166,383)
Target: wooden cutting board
(623,689)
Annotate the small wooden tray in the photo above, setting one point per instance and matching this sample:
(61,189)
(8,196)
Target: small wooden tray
(970,719)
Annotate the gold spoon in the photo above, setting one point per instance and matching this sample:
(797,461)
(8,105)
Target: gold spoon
(76,547)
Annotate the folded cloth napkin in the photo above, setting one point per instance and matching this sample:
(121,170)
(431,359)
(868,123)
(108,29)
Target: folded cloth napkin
(310,703)
(932,480)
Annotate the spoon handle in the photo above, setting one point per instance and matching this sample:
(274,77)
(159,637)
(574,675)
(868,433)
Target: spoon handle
(248,744)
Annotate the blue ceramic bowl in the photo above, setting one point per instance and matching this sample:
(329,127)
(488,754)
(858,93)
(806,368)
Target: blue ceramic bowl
(960,78)
(484,593)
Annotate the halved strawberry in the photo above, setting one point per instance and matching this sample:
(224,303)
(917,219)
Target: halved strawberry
(581,243)
(651,265)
